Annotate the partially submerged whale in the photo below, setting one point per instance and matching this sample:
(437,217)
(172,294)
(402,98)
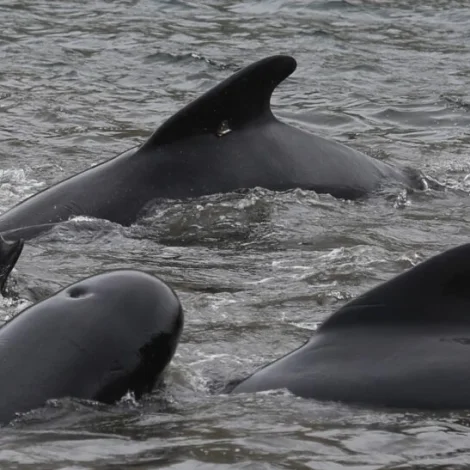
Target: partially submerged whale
(404,344)
(9,254)
(227,139)
(96,339)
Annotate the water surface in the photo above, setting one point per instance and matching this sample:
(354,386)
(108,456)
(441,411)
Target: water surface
(256,271)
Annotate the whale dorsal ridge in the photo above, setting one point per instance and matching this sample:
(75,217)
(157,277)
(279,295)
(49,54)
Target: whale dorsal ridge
(238,100)
(435,291)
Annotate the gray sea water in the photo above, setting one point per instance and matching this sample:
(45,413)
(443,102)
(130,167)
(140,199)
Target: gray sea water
(256,271)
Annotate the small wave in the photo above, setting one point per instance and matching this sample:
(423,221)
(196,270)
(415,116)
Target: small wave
(174,58)
(10,307)
(16,186)
(81,229)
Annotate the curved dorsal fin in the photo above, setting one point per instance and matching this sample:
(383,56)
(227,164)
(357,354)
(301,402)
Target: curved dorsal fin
(241,98)
(436,290)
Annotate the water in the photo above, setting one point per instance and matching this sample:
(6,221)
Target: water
(256,271)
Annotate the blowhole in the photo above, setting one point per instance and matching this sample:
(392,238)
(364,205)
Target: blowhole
(77,292)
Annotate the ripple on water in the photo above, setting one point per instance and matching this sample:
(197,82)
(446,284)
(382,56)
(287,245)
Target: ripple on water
(256,271)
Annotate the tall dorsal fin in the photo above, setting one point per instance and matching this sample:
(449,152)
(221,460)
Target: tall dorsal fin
(436,290)
(239,99)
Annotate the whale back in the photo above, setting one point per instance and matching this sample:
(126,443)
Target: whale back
(436,290)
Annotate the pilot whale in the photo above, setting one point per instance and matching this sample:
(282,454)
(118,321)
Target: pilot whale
(9,254)
(225,140)
(96,339)
(405,344)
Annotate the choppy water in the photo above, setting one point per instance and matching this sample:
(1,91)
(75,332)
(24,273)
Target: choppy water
(256,271)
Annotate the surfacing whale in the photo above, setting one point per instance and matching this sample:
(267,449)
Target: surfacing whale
(225,140)
(96,339)
(404,344)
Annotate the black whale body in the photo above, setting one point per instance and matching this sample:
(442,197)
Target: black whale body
(96,339)
(404,344)
(225,140)
(9,254)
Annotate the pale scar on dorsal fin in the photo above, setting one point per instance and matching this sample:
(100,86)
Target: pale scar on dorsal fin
(236,102)
(435,291)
